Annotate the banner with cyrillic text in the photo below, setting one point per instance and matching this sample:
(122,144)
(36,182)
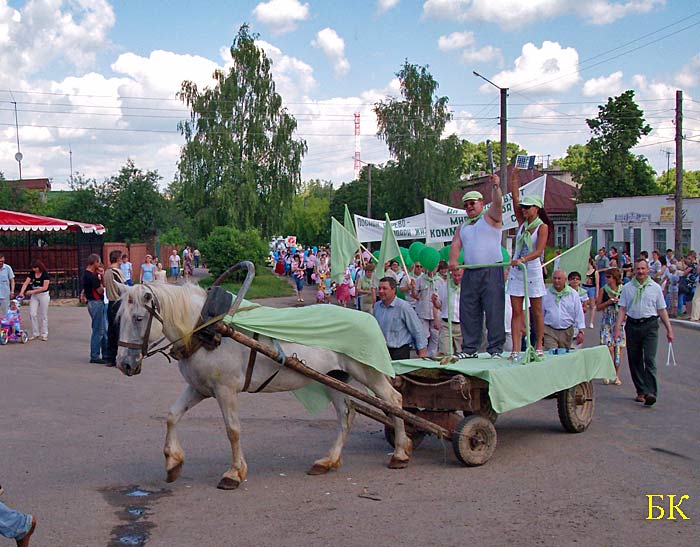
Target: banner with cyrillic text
(369,229)
(441,221)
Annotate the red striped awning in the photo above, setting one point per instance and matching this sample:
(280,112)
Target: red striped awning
(24,222)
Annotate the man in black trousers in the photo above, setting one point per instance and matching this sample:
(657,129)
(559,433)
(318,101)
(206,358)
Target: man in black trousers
(642,303)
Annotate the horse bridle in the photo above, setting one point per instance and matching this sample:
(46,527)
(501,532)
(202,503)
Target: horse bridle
(153,312)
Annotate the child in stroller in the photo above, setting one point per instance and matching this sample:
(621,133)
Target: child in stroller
(10,329)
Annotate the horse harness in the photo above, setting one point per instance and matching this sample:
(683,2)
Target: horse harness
(204,334)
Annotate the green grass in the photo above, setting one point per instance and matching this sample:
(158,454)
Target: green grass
(265,285)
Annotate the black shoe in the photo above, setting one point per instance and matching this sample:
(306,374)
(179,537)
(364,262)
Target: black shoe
(649,399)
(110,364)
(98,361)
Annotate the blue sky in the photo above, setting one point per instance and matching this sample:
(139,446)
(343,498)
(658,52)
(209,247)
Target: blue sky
(99,78)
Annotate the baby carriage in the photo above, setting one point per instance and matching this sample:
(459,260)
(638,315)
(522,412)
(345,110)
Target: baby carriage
(10,330)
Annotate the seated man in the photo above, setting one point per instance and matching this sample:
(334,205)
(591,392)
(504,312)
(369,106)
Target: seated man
(399,323)
(562,313)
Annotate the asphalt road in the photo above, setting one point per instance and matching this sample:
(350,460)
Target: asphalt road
(76,438)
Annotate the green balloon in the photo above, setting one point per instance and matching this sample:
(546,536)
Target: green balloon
(375,254)
(429,258)
(445,253)
(415,248)
(406,254)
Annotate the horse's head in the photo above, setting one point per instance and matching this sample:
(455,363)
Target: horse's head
(140,324)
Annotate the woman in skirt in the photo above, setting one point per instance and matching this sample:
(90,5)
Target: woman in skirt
(529,247)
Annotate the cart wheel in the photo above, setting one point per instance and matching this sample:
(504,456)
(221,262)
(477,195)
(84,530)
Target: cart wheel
(474,440)
(24,338)
(3,337)
(575,406)
(415,436)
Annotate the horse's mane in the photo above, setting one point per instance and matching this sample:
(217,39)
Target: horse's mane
(176,304)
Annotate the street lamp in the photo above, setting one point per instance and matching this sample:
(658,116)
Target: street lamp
(504,132)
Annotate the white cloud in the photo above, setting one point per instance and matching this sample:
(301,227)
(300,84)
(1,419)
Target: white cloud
(281,15)
(43,31)
(550,68)
(689,75)
(385,5)
(482,55)
(513,14)
(293,77)
(456,40)
(333,47)
(605,86)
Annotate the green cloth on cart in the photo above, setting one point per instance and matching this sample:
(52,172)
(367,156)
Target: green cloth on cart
(343,330)
(512,385)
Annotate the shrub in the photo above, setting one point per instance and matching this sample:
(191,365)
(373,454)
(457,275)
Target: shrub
(227,246)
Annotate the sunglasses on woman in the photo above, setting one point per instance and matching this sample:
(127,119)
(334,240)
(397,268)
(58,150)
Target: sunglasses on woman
(524,206)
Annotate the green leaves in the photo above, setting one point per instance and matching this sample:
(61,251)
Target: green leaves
(240,163)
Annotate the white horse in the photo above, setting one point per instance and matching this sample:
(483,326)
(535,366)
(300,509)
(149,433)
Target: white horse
(221,374)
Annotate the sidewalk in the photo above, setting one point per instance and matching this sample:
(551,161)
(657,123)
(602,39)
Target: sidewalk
(694,325)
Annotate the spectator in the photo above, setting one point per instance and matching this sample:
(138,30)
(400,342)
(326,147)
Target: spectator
(447,300)
(147,270)
(126,269)
(112,277)
(687,284)
(602,263)
(298,276)
(92,294)
(655,267)
(36,286)
(591,286)
(161,275)
(399,323)
(366,290)
(310,267)
(197,257)
(671,279)
(426,310)
(174,262)
(7,285)
(188,263)
(641,304)
(608,303)
(562,314)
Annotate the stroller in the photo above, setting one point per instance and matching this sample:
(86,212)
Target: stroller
(10,330)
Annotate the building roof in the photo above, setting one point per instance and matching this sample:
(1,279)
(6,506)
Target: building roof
(559,197)
(42,184)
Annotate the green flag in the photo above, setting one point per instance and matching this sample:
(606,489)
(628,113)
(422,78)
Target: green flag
(576,258)
(348,223)
(343,247)
(389,248)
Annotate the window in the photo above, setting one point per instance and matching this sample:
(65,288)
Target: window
(685,241)
(561,238)
(659,240)
(594,242)
(609,238)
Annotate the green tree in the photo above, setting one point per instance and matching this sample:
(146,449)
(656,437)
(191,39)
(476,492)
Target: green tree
(227,246)
(15,198)
(240,164)
(138,210)
(412,128)
(85,202)
(691,183)
(611,169)
(575,160)
(475,156)
(309,219)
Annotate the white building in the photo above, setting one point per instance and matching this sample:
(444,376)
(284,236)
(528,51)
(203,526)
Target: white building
(642,223)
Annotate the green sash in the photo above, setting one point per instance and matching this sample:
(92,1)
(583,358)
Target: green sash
(640,288)
(525,237)
(558,295)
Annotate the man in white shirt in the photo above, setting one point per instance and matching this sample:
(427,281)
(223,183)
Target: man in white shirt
(7,285)
(562,313)
(641,304)
(449,314)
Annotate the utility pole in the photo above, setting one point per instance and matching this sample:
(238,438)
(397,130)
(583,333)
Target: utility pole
(369,190)
(504,142)
(18,155)
(70,156)
(678,241)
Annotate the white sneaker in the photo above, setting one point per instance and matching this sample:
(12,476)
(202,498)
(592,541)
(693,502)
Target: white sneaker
(590,325)
(32,338)
(44,338)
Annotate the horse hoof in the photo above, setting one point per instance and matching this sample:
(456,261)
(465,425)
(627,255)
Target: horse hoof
(396,463)
(318,469)
(174,473)
(228,484)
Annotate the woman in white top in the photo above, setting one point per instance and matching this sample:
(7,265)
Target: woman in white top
(529,247)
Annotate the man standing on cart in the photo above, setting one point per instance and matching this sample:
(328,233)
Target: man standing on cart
(482,289)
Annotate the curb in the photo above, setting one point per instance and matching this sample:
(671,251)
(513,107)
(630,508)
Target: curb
(694,325)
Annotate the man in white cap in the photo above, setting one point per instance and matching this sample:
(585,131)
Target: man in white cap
(482,289)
